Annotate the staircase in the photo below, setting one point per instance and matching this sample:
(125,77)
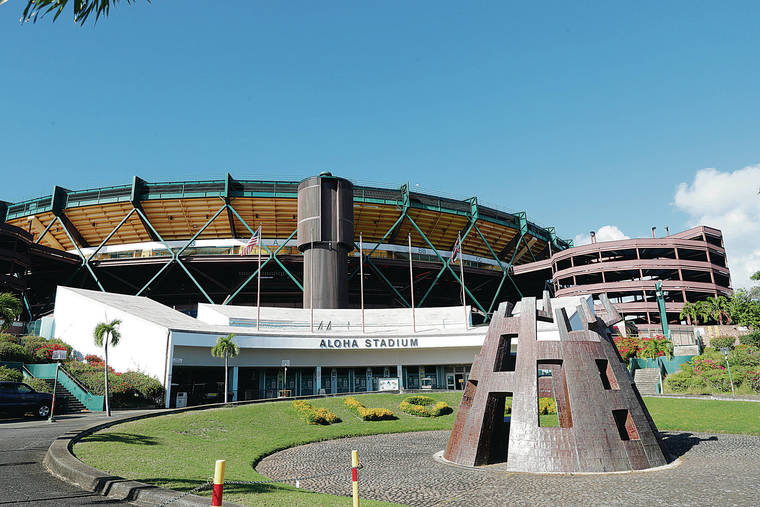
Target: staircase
(64,399)
(646,380)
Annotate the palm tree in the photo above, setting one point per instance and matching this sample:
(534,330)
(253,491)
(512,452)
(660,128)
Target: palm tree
(10,307)
(689,312)
(105,333)
(225,348)
(82,9)
(655,346)
(717,308)
(703,310)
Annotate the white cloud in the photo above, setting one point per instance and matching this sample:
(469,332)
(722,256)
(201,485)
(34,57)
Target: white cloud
(605,233)
(730,202)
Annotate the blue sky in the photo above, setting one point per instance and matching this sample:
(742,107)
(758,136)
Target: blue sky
(583,114)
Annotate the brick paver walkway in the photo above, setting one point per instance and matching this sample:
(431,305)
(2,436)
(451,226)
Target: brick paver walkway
(714,470)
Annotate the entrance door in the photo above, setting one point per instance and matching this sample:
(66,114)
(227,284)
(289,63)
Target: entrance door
(459,378)
(450,383)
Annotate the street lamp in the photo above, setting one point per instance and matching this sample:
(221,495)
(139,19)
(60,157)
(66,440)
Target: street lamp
(725,351)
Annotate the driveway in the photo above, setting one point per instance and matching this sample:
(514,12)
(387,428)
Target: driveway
(23,444)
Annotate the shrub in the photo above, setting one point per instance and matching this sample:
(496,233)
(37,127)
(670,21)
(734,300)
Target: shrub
(10,374)
(368,414)
(547,406)
(751,340)
(14,352)
(723,342)
(38,385)
(753,380)
(131,388)
(424,406)
(628,347)
(314,415)
(420,400)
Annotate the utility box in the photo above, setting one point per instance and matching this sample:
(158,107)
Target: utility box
(181,400)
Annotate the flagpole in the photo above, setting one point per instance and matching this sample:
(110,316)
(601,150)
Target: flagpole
(361,276)
(311,279)
(411,284)
(461,276)
(258,284)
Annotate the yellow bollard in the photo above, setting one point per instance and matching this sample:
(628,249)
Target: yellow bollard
(355,476)
(218,488)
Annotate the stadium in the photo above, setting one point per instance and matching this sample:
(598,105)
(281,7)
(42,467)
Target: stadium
(178,243)
(165,259)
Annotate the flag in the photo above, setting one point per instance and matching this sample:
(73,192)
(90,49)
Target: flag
(251,242)
(455,250)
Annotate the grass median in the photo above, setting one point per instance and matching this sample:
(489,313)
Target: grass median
(178,451)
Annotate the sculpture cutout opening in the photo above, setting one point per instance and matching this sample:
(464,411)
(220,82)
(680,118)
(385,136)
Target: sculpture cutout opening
(602,422)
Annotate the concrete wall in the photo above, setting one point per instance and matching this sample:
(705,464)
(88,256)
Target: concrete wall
(142,345)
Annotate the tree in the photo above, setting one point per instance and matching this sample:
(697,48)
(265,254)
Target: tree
(10,307)
(717,307)
(82,9)
(656,347)
(105,333)
(703,311)
(225,348)
(689,312)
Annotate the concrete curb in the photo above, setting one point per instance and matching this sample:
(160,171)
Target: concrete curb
(61,462)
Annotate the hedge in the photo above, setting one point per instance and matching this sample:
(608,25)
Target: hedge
(130,388)
(424,406)
(723,342)
(707,373)
(10,374)
(368,414)
(38,385)
(751,340)
(313,415)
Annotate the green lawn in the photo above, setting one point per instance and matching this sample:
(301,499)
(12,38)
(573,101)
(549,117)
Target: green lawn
(178,451)
(709,416)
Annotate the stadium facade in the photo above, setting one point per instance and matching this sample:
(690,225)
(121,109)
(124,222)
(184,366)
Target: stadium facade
(165,258)
(178,243)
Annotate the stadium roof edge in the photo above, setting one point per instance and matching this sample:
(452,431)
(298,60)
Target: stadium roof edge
(229,187)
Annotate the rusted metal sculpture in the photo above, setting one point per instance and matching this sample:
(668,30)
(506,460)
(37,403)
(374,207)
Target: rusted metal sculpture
(602,423)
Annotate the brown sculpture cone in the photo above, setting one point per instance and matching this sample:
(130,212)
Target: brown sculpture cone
(603,424)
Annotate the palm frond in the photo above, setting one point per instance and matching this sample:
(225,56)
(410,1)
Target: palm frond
(82,9)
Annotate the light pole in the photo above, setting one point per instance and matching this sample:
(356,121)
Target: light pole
(725,351)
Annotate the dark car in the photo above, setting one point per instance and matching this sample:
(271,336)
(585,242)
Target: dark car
(17,398)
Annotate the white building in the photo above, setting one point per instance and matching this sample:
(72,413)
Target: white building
(335,354)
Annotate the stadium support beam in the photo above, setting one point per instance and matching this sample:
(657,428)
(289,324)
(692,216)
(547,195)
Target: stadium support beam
(37,225)
(403,207)
(138,190)
(230,185)
(271,254)
(447,264)
(3,211)
(58,207)
(232,296)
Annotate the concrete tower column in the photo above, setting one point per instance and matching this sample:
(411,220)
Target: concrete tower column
(325,236)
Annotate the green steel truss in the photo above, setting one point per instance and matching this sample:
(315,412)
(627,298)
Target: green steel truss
(229,188)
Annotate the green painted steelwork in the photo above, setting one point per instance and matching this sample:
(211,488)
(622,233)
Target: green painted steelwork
(661,305)
(287,271)
(229,188)
(232,296)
